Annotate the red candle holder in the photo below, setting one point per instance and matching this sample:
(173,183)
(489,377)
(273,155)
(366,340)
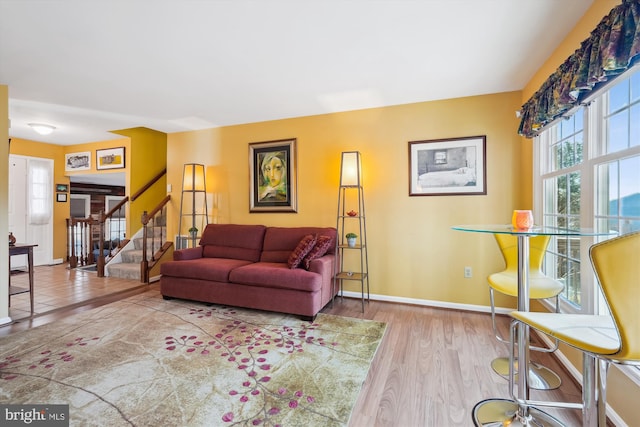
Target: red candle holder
(522,219)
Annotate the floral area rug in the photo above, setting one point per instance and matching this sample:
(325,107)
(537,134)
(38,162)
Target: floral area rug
(144,361)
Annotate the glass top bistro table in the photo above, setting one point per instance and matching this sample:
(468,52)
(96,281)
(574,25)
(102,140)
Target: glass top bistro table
(499,412)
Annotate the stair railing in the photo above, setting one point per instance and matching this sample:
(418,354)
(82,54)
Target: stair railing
(117,235)
(154,236)
(79,237)
(84,234)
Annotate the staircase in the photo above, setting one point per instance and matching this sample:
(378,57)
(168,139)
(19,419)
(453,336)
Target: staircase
(126,263)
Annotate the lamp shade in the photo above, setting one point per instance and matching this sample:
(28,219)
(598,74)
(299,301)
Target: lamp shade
(193,177)
(350,169)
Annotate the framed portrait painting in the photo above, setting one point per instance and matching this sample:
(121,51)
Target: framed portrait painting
(444,167)
(273,176)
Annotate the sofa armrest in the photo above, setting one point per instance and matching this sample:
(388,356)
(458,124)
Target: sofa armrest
(324,266)
(187,253)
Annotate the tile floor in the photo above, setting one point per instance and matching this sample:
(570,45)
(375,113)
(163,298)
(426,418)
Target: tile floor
(57,286)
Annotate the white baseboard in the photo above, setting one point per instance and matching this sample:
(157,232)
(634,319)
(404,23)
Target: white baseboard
(5,320)
(430,303)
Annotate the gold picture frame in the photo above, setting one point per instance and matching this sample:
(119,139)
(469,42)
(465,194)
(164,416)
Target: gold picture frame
(273,176)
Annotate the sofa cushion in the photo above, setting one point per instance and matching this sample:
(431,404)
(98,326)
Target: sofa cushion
(304,247)
(322,245)
(233,241)
(210,269)
(279,242)
(276,275)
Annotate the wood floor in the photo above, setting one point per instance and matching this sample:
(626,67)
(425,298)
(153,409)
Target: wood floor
(432,367)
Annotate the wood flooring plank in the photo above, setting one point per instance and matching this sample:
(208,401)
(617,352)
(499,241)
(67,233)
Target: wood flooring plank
(433,366)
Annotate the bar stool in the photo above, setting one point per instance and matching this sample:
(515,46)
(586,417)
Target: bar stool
(541,286)
(602,339)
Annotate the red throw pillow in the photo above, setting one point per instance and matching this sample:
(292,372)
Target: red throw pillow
(320,248)
(303,248)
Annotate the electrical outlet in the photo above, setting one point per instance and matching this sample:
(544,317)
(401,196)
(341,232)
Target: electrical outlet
(468,272)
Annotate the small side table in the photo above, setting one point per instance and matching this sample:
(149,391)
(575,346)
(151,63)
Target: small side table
(22,249)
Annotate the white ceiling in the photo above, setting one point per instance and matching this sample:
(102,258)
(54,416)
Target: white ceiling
(90,67)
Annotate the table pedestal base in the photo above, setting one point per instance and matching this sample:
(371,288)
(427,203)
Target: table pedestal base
(504,412)
(540,377)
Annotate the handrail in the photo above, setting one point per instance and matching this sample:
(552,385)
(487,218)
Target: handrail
(147,216)
(148,184)
(158,218)
(117,207)
(79,234)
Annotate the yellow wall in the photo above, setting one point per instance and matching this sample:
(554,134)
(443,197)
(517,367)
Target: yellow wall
(148,152)
(144,147)
(25,147)
(57,153)
(413,253)
(4,203)
(622,393)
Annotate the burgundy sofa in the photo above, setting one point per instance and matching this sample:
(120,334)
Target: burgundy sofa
(247,266)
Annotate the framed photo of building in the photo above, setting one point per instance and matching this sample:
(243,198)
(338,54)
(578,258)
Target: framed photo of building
(110,158)
(445,167)
(273,176)
(77,161)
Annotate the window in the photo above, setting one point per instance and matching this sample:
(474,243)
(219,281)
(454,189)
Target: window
(40,191)
(587,175)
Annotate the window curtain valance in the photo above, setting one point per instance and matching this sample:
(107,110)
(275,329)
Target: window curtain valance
(612,48)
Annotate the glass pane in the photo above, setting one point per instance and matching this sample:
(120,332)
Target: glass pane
(561,222)
(630,187)
(635,87)
(607,224)
(574,193)
(572,283)
(556,157)
(618,132)
(562,196)
(629,226)
(619,96)
(607,185)
(574,223)
(579,118)
(634,131)
(549,196)
(566,127)
(578,148)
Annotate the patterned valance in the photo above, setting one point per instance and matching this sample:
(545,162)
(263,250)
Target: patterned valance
(612,48)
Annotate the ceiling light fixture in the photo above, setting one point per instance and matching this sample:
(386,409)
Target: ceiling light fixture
(42,129)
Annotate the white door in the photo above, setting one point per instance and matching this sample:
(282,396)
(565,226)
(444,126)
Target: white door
(24,225)
(17,205)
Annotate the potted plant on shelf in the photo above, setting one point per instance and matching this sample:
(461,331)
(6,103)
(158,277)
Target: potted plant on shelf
(193,231)
(351,239)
